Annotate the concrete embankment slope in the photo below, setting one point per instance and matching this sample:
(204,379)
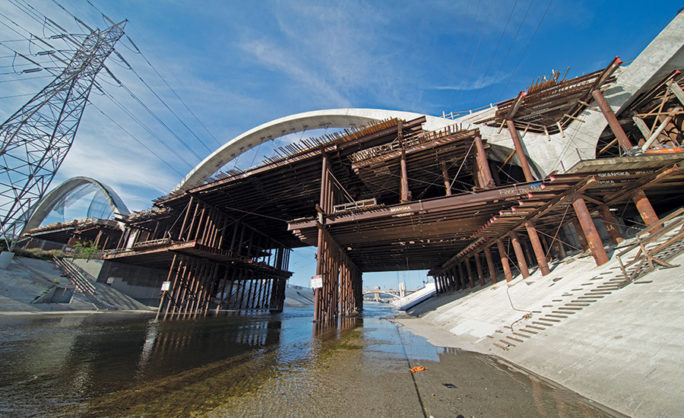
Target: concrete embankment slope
(296,296)
(26,282)
(621,344)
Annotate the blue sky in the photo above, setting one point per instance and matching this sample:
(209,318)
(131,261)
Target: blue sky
(238,64)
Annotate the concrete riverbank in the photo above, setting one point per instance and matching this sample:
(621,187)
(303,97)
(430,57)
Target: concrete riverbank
(28,286)
(619,344)
(35,286)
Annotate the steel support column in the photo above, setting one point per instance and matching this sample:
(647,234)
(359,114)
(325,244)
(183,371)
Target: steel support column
(580,235)
(405,192)
(590,232)
(519,255)
(537,248)
(470,273)
(519,151)
(613,123)
(445,178)
(611,224)
(483,164)
(560,249)
(504,260)
(528,255)
(320,248)
(490,264)
(645,209)
(478,267)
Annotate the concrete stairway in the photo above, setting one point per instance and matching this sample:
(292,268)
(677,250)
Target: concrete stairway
(75,276)
(570,303)
(588,293)
(99,294)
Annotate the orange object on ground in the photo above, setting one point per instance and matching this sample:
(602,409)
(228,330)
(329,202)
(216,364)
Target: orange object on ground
(672,150)
(418,369)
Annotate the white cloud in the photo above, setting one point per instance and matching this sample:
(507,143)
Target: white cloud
(339,53)
(124,170)
(275,57)
(477,84)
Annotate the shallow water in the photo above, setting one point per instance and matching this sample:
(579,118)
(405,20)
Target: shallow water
(278,365)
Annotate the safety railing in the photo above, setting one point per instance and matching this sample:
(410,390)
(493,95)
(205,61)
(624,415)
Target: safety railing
(650,242)
(78,279)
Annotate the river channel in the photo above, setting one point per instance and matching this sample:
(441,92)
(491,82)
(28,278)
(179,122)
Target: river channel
(122,364)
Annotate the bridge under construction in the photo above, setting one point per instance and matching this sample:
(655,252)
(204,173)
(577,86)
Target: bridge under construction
(473,199)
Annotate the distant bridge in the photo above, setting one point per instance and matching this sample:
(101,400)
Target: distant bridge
(385,295)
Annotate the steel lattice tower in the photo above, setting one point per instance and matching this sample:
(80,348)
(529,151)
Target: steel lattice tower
(38,136)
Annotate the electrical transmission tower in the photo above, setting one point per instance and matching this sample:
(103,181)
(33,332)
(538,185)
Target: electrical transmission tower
(38,136)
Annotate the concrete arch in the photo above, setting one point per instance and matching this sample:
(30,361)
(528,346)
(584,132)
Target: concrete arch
(662,56)
(500,153)
(47,204)
(329,118)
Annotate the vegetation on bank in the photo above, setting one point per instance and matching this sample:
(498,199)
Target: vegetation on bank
(86,250)
(38,253)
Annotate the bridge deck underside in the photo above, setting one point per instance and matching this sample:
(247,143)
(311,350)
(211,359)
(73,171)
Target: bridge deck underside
(425,235)
(287,189)
(269,195)
(413,236)
(610,184)
(409,218)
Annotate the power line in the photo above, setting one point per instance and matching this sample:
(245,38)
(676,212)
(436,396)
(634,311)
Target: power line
(498,42)
(138,51)
(145,127)
(42,77)
(529,42)
(162,101)
(477,48)
(137,99)
(192,132)
(16,95)
(508,51)
(37,38)
(137,140)
(159,120)
(35,15)
(180,158)
(218,142)
(130,92)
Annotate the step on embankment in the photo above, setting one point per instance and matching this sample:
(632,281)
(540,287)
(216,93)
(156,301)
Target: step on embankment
(559,310)
(571,302)
(102,296)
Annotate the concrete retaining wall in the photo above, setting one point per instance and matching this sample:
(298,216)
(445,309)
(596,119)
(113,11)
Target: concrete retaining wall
(140,283)
(91,267)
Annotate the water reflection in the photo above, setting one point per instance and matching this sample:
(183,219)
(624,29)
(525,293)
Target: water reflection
(53,362)
(326,330)
(254,365)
